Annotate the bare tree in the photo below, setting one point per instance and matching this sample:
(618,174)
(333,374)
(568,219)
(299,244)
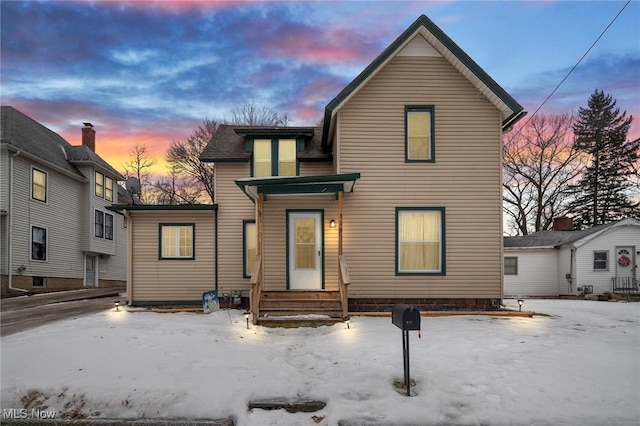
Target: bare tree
(176,189)
(184,159)
(139,166)
(251,114)
(540,164)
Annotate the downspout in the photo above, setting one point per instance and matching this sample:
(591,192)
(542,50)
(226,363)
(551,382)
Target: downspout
(10,225)
(571,257)
(215,253)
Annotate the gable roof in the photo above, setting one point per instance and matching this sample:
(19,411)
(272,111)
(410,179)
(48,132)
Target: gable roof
(555,239)
(511,110)
(228,142)
(32,138)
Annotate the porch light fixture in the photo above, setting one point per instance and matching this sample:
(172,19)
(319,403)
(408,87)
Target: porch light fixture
(520,302)
(347,320)
(117,305)
(246,317)
(332,224)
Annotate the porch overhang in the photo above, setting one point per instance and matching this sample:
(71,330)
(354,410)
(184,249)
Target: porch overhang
(298,185)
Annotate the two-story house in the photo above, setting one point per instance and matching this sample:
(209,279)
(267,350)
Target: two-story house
(55,230)
(396,198)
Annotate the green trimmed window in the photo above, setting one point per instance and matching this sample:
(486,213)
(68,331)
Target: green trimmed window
(99,185)
(420,241)
(250,246)
(419,143)
(274,157)
(511,265)
(177,241)
(38,185)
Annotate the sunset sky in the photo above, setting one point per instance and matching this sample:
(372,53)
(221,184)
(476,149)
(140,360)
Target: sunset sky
(148,72)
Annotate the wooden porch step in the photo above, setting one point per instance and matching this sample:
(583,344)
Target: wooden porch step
(293,322)
(300,303)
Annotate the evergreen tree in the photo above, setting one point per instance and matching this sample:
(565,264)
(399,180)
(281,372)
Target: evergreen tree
(603,193)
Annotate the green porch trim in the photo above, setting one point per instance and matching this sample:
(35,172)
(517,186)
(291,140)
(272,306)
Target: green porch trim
(276,132)
(317,184)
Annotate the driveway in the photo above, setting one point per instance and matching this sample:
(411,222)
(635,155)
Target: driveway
(25,312)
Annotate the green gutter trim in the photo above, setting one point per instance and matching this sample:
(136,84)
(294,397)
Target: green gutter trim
(158,207)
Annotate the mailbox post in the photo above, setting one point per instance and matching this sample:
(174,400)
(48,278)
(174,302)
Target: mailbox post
(406,318)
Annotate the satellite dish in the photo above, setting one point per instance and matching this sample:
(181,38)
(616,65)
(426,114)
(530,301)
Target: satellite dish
(132,185)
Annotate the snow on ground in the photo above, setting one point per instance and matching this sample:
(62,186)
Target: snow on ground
(577,366)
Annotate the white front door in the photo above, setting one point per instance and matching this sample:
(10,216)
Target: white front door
(625,262)
(90,268)
(305,236)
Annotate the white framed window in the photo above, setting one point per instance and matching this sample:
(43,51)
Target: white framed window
(39,282)
(177,241)
(108,188)
(99,185)
(38,185)
(39,243)
(420,241)
(600,260)
(511,265)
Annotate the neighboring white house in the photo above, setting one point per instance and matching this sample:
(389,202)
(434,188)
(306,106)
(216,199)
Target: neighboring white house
(55,230)
(556,263)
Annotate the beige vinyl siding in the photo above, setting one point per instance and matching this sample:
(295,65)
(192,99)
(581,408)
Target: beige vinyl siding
(465,179)
(275,237)
(60,215)
(233,207)
(156,280)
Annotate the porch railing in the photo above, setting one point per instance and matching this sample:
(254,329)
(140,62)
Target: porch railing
(344,282)
(256,288)
(625,285)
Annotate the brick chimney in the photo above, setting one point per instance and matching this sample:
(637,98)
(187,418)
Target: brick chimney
(562,224)
(89,136)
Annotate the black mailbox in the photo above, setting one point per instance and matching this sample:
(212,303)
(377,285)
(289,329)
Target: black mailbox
(405,317)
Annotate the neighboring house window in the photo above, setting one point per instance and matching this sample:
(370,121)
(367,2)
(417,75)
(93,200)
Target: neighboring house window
(108,189)
(177,241)
(99,224)
(511,266)
(38,243)
(108,226)
(99,185)
(38,185)
(103,225)
(274,157)
(419,134)
(601,260)
(38,282)
(250,245)
(420,241)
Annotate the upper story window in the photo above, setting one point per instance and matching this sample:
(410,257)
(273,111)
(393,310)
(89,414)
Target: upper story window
(38,185)
(108,189)
(99,185)
(419,134)
(38,243)
(420,241)
(177,241)
(274,157)
(511,265)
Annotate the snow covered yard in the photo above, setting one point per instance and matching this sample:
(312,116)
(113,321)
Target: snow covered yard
(578,366)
